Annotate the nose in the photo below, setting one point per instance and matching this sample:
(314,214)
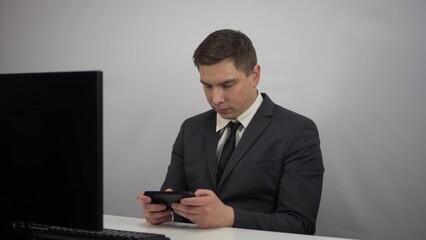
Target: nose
(218,96)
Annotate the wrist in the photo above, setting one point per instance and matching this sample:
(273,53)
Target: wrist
(229,222)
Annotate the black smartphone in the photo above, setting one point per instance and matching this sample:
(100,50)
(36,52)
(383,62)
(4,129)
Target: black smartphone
(168,197)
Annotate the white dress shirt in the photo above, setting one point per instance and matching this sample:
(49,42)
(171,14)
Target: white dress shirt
(244,119)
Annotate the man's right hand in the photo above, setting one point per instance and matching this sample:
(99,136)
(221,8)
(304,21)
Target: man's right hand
(155,213)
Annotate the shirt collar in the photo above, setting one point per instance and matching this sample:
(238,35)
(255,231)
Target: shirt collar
(244,118)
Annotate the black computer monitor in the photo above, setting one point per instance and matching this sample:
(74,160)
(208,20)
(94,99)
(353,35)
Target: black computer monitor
(51,150)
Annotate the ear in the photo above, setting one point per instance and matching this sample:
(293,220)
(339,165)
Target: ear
(255,75)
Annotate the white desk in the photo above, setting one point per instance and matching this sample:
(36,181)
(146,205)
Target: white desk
(181,231)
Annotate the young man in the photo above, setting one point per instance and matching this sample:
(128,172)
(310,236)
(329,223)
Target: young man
(273,177)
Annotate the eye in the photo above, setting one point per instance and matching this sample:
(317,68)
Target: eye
(228,85)
(207,86)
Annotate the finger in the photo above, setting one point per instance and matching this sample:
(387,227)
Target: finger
(185,209)
(150,207)
(202,198)
(204,192)
(159,217)
(193,201)
(195,218)
(187,215)
(144,199)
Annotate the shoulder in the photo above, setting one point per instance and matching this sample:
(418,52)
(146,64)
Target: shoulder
(199,121)
(285,114)
(277,113)
(202,117)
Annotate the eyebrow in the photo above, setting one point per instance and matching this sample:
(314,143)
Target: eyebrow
(221,83)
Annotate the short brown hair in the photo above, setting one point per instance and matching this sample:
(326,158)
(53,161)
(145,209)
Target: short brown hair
(224,44)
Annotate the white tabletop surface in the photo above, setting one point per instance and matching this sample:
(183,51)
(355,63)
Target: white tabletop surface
(181,231)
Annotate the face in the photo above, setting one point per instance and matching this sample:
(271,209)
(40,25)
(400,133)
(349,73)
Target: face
(229,91)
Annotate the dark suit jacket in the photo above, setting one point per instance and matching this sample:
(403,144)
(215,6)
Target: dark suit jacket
(273,180)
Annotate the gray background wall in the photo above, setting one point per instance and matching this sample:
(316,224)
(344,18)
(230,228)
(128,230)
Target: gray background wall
(357,68)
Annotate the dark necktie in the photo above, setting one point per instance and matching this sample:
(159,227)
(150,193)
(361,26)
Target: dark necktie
(227,150)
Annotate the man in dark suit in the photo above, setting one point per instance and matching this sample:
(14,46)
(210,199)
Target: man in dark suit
(272,179)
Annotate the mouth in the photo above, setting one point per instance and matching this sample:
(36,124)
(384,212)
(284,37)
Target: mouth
(223,110)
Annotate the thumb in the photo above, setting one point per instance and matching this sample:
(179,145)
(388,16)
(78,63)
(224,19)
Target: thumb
(204,193)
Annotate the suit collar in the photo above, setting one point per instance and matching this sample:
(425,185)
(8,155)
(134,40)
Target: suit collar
(267,106)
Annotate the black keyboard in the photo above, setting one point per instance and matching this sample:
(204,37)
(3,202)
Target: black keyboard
(60,233)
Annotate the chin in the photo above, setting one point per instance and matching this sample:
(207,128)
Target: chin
(228,116)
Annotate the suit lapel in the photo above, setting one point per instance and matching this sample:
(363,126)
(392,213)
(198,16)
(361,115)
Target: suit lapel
(212,138)
(256,127)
